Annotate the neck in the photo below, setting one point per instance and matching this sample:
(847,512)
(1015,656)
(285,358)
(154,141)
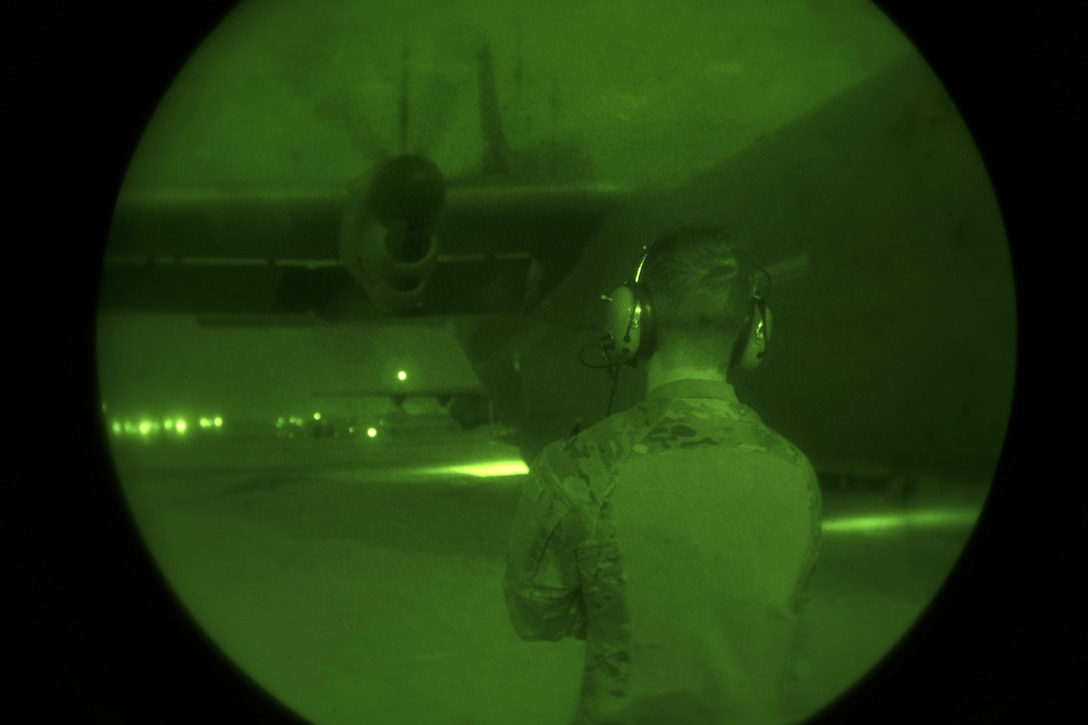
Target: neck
(659,372)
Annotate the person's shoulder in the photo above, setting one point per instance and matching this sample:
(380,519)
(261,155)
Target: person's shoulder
(583,448)
(585,459)
(778,445)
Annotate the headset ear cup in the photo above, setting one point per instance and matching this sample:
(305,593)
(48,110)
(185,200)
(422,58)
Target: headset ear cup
(752,345)
(739,354)
(622,322)
(647,326)
(630,324)
(768,320)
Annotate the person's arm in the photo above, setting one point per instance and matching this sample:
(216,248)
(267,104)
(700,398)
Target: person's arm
(543,595)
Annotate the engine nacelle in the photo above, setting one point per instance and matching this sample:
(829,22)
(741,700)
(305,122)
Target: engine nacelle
(387,237)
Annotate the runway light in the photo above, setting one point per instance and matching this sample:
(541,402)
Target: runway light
(371,432)
(145,427)
(317,416)
(117,428)
(279,422)
(180,426)
(169,423)
(205,423)
(402,375)
(218,422)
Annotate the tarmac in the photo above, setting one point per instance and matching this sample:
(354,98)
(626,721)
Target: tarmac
(354,581)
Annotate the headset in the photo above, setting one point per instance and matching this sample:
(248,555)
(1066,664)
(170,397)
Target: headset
(631,334)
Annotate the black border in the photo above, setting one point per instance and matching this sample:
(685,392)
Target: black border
(102,637)
(107,642)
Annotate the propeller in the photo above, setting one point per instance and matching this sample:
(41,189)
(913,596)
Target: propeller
(387,238)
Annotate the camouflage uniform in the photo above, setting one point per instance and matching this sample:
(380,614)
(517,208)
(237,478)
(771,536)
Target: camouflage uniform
(676,539)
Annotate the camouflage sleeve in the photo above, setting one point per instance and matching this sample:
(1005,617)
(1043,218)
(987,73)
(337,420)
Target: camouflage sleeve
(543,596)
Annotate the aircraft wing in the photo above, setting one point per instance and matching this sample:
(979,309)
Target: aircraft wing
(498,248)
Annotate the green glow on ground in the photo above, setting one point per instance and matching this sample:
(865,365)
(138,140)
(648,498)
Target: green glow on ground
(895,523)
(511,467)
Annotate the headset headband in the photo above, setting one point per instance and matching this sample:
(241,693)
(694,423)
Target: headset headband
(645,254)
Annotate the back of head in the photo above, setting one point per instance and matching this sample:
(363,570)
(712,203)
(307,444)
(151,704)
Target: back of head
(701,279)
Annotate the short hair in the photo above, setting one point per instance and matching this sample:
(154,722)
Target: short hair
(700,278)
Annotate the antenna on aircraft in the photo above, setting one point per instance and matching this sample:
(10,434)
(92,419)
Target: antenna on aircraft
(496,155)
(404,100)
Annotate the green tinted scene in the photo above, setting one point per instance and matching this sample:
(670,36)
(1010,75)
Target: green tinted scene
(359,257)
